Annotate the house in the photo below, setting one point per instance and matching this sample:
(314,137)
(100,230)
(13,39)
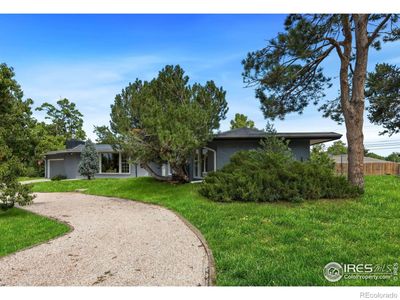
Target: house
(214,156)
(372,166)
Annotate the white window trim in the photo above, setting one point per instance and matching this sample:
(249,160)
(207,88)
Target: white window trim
(200,167)
(119,164)
(166,169)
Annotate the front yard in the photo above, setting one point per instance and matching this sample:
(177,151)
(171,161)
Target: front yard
(275,243)
(21,229)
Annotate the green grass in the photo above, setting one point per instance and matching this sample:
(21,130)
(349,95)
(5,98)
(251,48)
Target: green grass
(276,243)
(20,229)
(29,178)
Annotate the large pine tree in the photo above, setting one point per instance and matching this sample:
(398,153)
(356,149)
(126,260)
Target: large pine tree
(288,73)
(165,120)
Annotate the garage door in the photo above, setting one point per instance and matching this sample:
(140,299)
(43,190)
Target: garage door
(56,167)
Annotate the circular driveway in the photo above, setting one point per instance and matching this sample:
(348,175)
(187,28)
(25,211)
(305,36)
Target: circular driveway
(113,242)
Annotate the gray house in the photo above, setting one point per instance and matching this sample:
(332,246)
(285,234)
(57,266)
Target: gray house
(210,158)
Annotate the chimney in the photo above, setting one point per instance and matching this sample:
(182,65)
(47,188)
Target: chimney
(69,144)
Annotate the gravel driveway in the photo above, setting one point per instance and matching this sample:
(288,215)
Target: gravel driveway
(113,242)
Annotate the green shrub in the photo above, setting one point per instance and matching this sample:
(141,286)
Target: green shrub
(58,177)
(271,174)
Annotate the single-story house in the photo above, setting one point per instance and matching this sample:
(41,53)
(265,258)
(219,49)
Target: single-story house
(372,166)
(214,156)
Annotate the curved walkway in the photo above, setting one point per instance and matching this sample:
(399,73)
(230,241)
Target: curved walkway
(113,242)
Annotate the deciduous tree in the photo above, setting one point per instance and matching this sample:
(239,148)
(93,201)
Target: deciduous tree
(66,119)
(337,148)
(395,156)
(15,119)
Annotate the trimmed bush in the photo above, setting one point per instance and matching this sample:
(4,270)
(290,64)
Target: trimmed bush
(272,174)
(58,177)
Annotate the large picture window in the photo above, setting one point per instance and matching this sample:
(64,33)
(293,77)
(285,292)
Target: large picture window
(109,162)
(114,163)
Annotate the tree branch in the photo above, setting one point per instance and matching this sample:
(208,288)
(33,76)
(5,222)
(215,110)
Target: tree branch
(378,28)
(337,46)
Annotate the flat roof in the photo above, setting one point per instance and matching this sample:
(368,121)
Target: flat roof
(253,133)
(79,148)
(234,134)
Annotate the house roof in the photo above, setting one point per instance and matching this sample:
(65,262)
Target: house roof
(253,133)
(79,148)
(343,158)
(234,134)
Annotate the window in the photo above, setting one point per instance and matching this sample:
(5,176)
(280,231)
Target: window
(109,163)
(124,164)
(114,163)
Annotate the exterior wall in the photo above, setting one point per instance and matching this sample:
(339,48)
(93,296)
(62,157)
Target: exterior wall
(69,167)
(300,149)
(226,148)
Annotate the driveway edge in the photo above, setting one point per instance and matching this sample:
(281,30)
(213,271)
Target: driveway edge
(211,270)
(71,229)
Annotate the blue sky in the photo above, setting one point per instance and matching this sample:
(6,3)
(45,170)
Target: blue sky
(90,58)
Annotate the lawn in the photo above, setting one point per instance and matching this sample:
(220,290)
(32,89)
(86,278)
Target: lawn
(29,178)
(21,229)
(276,243)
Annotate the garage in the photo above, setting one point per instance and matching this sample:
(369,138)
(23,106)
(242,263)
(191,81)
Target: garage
(55,167)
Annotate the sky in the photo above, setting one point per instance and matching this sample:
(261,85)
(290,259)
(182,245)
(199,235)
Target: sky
(91,58)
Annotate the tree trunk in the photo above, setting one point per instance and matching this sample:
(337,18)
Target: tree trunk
(154,174)
(355,141)
(354,109)
(180,174)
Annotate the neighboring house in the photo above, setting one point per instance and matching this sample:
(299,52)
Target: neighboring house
(213,157)
(372,166)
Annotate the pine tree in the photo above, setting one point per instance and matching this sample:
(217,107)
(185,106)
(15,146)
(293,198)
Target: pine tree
(288,72)
(165,120)
(89,164)
(241,121)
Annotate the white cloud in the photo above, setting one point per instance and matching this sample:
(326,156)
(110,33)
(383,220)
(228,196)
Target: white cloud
(93,83)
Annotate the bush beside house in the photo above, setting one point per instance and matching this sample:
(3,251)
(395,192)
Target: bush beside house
(89,164)
(271,174)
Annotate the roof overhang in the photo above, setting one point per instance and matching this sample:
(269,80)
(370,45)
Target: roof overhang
(313,137)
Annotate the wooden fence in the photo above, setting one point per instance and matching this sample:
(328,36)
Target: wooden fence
(373,168)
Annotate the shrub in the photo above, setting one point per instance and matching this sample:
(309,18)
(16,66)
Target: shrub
(89,164)
(271,174)
(58,177)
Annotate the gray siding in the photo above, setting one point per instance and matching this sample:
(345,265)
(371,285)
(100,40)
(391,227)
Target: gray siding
(300,149)
(70,163)
(226,148)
